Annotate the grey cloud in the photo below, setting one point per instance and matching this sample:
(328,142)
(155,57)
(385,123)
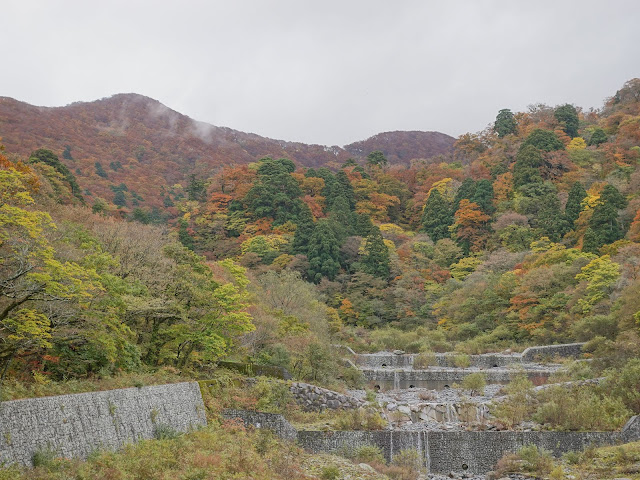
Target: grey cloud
(323,72)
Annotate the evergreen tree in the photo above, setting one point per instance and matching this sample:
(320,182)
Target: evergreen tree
(66,154)
(183,235)
(196,189)
(304,230)
(505,123)
(341,219)
(346,189)
(567,115)
(323,253)
(604,225)
(527,167)
(119,199)
(100,171)
(543,140)
(437,216)
(591,242)
(350,162)
(597,137)
(466,190)
(361,171)
(574,203)
(550,220)
(331,187)
(269,167)
(363,225)
(377,158)
(375,260)
(42,155)
(275,194)
(311,173)
(483,196)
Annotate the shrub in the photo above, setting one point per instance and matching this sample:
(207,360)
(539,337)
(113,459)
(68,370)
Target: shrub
(353,377)
(425,360)
(409,462)
(44,457)
(369,454)
(557,473)
(265,441)
(462,360)
(165,432)
(409,458)
(371,396)
(582,408)
(475,382)
(536,460)
(273,396)
(518,404)
(573,370)
(359,419)
(330,473)
(509,463)
(625,384)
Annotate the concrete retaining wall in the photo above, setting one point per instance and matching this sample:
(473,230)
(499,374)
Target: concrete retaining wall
(382,360)
(444,452)
(438,379)
(533,354)
(488,360)
(76,425)
(274,422)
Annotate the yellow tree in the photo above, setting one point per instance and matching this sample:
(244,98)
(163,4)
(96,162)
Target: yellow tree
(30,273)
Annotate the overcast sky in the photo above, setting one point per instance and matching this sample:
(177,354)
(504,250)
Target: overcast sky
(328,72)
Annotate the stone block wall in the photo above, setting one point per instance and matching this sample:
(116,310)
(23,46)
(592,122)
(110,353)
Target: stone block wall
(384,359)
(390,360)
(566,350)
(487,360)
(274,422)
(478,452)
(76,425)
(444,452)
(311,397)
(438,379)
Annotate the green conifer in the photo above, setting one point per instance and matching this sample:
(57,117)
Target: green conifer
(437,216)
(323,253)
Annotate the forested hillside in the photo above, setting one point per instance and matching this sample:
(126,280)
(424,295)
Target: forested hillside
(132,152)
(529,233)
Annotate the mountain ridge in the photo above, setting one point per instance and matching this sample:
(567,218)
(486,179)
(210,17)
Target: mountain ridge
(150,145)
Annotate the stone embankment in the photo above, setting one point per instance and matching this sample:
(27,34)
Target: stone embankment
(399,359)
(442,413)
(440,378)
(567,350)
(79,424)
(311,397)
(444,452)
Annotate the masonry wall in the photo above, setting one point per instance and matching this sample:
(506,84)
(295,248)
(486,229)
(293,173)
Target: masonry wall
(76,425)
(438,378)
(443,452)
(274,422)
(311,397)
(382,360)
(478,452)
(533,354)
(488,360)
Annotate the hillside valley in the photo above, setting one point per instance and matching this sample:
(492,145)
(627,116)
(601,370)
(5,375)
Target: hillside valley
(379,301)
